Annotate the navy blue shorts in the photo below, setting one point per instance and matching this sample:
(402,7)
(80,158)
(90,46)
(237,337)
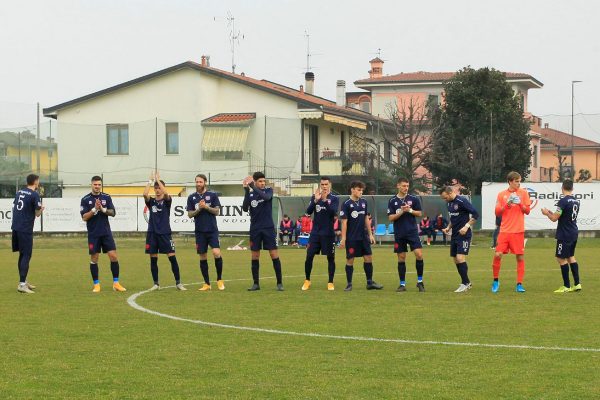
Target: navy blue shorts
(157,243)
(358,248)
(22,242)
(263,239)
(319,244)
(402,243)
(565,249)
(103,243)
(205,239)
(459,245)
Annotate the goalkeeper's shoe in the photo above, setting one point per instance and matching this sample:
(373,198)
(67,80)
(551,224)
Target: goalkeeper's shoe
(22,288)
(520,288)
(96,288)
(495,286)
(221,284)
(205,287)
(180,286)
(306,285)
(562,289)
(330,286)
(30,286)
(576,288)
(117,287)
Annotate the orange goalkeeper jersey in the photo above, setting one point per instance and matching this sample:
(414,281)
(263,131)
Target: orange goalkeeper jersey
(513,215)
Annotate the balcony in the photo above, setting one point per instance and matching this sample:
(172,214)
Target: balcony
(339,162)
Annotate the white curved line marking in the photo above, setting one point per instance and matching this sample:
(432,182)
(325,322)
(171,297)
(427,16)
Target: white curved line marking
(132,302)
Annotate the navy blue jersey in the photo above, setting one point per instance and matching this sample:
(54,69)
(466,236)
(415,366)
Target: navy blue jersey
(355,212)
(205,221)
(26,202)
(160,211)
(260,205)
(98,225)
(461,211)
(568,207)
(324,210)
(406,225)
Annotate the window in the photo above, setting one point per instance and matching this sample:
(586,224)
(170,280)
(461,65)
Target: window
(3,151)
(365,106)
(387,151)
(433,100)
(117,139)
(535,158)
(172,137)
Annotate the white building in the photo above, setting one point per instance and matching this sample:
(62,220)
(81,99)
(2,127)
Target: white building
(192,118)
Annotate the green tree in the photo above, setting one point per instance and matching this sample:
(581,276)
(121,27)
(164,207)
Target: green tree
(481,132)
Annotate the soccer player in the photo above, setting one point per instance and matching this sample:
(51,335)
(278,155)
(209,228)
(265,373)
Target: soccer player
(512,205)
(402,210)
(462,217)
(566,236)
(324,205)
(158,237)
(26,207)
(258,200)
(357,236)
(204,206)
(95,209)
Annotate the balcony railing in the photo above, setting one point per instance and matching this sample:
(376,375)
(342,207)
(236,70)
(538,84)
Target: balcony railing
(338,162)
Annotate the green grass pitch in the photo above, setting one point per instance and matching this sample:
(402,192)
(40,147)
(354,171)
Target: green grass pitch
(65,342)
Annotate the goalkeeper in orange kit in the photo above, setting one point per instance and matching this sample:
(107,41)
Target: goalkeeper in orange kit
(512,205)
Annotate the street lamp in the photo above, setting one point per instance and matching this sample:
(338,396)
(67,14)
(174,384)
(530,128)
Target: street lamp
(573,128)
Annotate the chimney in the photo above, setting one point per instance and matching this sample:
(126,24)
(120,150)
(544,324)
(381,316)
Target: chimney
(340,93)
(376,68)
(203,62)
(301,89)
(309,86)
(546,125)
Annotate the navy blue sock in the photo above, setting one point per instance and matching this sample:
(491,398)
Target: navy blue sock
(349,272)
(564,270)
(154,269)
(331,267)
(24,259)
(368,271)
(463,272)
(114,268)
(575,272)
(255,269)
(402,272)
(94,272)
(175,269)
(277,268)
(308,265)
(219,267)
(420,264)
(204,270)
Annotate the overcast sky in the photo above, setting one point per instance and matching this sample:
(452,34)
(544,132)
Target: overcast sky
(54,51)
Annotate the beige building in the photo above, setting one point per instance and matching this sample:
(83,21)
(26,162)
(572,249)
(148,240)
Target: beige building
(192,118)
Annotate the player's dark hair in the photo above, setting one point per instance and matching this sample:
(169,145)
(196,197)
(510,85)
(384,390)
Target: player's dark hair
(204,178)
(512,175)
(446,189)
(326,178)
(402,180)
(357,184)
(96,178)
(31,178)
(258,175)
(156,185)
(567,185)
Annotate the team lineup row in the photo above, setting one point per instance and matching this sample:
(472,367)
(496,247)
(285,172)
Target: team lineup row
(403,208)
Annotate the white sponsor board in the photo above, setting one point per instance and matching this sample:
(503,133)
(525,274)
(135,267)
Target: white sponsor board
(231,218)
(63,215)
(6,207)
(545,195)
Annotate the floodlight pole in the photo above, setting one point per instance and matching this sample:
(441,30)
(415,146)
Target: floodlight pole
(573,128)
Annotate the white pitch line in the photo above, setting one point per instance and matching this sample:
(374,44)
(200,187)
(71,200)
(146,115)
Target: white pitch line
(133,303)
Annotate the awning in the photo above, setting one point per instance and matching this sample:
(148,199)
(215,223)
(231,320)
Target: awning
(345,121)
(224,138)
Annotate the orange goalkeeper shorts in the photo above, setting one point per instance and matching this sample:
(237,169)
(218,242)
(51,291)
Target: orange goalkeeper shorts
(511,242)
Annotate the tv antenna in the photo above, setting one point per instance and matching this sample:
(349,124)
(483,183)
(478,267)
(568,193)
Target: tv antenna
(308,54)
(234,37)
